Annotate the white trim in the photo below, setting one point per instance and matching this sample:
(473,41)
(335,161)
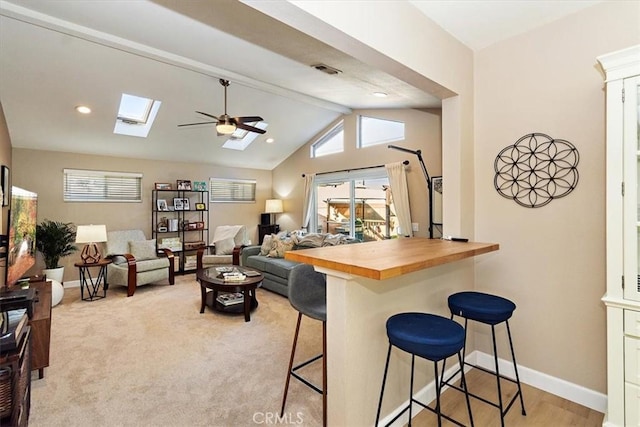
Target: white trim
(72,284)
(559,387)
(102,173)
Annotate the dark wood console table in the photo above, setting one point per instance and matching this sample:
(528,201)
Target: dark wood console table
(264,230)
(38,305)
(40,324)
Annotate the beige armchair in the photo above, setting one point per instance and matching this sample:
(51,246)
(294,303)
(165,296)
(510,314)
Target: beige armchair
(136,261)
(228,241)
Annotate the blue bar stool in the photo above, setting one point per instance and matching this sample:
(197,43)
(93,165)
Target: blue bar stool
(490,310)
(433,338)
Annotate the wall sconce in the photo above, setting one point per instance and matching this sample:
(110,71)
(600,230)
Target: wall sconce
(91,234)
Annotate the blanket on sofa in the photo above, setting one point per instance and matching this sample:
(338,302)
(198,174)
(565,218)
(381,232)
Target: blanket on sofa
(275,245)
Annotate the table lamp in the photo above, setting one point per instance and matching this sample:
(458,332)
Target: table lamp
(273,206)
(91,234)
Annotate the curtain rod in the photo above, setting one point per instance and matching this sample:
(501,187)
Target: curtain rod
(406,162)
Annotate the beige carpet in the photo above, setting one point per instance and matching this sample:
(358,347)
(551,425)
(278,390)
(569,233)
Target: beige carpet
(154,360)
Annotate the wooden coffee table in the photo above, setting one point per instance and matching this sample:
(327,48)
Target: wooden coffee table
(211,278)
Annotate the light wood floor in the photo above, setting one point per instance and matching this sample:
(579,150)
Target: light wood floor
(543,409)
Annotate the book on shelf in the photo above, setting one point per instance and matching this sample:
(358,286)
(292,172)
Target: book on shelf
(231,298)
(12,326)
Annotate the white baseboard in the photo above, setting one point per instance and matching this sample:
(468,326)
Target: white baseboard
(572,392)
(72,284)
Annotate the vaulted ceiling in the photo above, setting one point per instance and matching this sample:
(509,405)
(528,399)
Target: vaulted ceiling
(55,55)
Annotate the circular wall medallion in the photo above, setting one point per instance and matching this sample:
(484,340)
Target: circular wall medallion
(536,169)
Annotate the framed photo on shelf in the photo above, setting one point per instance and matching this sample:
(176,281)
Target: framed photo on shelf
(201,207)
(199,186)
(178,204)
(161,205)
(185,205)
(184,185)
(162,186)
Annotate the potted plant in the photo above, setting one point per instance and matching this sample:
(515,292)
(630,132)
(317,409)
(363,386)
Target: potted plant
(55,240)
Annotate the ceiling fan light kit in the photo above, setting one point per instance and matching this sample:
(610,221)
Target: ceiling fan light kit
(225,124)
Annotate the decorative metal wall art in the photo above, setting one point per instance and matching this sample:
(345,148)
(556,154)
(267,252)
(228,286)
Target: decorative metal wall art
(536,169)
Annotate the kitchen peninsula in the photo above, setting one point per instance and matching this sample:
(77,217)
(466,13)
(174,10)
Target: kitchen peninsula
(366,284)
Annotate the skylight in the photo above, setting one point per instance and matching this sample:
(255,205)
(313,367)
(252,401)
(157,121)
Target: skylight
(136,115)
(240,139)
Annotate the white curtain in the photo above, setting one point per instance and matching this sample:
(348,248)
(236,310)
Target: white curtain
(400,194)
(309,182)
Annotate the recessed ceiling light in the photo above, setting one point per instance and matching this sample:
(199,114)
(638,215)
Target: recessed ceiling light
(269,140)
(83,109)
(380,94)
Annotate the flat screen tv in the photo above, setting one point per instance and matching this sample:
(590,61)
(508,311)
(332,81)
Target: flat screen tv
(21,254)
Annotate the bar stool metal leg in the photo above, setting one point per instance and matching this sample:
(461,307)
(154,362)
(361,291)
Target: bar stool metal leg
(384,382)
(293,354)
(515,368)
(497,368)
(324,374)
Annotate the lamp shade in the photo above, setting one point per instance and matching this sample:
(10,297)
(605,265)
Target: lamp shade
(91,233)
(273,206)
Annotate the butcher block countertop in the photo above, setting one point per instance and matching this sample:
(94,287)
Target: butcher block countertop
(385,259)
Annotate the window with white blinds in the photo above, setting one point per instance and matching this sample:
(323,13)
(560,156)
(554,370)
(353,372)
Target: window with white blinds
(102,186)
(232,190)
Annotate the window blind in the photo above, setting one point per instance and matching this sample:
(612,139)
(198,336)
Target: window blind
(232,190)
(102,186)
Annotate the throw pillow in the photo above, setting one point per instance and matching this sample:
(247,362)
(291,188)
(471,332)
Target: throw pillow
(279,247)
(144,249)
(266,244)
(224,246)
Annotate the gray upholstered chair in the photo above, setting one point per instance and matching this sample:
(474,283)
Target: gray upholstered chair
(136,261)
(308,295)
(228,241)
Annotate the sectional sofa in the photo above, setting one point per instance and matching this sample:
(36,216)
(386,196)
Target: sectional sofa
(269,258)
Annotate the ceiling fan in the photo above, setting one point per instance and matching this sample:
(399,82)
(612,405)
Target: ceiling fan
(226,125)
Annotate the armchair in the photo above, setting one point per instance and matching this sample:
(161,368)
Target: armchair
(228,241)
(136,261)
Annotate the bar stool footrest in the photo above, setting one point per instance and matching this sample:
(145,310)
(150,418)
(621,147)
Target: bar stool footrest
(301,378)
(488,371)
(433,411)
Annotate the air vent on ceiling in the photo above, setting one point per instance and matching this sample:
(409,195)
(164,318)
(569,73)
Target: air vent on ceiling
(326,69)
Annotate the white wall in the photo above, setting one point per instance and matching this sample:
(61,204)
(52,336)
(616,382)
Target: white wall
(552,259)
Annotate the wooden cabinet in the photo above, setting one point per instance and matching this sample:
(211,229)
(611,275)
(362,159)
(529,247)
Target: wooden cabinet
(622,299)
(40,324)
(15,383)
(264,230)
(179,221)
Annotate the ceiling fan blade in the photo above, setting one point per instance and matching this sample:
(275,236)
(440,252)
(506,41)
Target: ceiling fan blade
(193,124)
(208,115)
(248,119)
(250,128)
